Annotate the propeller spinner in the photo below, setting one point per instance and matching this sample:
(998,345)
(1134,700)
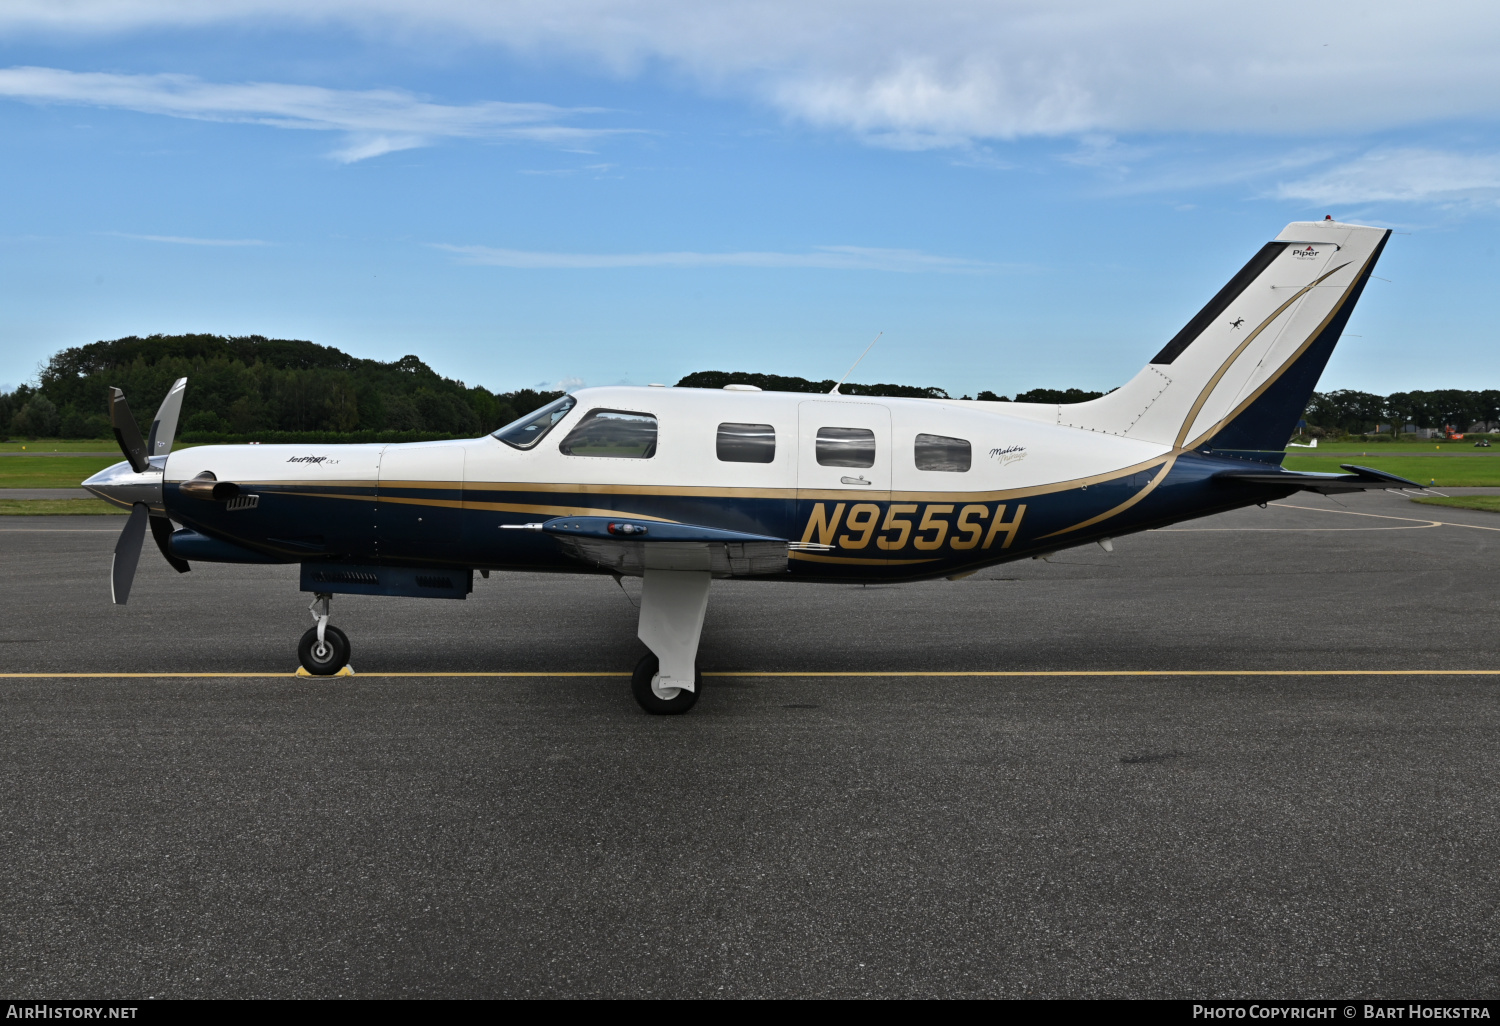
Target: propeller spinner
(137,483)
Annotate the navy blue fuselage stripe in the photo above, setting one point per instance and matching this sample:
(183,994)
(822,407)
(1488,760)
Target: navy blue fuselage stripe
(350,530)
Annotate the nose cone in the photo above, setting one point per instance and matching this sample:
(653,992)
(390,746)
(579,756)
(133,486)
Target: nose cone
(124,487)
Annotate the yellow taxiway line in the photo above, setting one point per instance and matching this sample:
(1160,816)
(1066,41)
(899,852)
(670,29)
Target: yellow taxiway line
(789,675)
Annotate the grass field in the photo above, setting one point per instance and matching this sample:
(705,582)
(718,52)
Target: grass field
(1434,445)
(1436,469)
(62,445)
(50,471)
(66,445)
(56,507)
(1489,503)
(1446,464)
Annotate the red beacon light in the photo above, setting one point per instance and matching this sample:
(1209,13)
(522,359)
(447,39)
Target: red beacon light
(626,529)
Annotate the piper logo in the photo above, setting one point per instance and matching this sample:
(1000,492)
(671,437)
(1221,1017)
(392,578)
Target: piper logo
(1306,253)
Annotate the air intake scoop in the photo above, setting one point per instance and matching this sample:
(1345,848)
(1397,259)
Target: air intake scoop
(209,488)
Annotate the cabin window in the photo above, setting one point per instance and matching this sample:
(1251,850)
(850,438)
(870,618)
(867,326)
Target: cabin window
(939,452)
(532,428)
(746,443)
(617,434)
(845,447)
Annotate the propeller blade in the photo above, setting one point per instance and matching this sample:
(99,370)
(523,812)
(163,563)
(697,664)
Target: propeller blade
(161,530)
(164,427)
(128,554)
(126,432)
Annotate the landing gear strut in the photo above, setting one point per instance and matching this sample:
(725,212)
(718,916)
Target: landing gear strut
(672,606)
(324,649)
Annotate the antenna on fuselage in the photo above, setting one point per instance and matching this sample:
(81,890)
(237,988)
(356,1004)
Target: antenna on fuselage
(835,389)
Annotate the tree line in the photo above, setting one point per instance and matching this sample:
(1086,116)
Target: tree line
(272,389)
(294,390)
(1356,413)
(786,383)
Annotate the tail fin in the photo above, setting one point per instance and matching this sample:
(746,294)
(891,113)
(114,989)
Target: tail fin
(1236,379)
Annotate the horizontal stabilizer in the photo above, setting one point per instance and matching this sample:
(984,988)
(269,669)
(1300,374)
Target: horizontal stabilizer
(1358,479)
(631,547)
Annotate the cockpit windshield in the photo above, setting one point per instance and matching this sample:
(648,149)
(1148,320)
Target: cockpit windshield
(532,428)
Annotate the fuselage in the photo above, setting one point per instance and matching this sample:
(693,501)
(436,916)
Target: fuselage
(682,485)
(864,488)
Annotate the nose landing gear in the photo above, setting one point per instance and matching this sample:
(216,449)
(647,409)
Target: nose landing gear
(324,649)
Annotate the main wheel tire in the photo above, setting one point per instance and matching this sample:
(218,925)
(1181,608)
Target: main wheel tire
(652,700)
(332,657)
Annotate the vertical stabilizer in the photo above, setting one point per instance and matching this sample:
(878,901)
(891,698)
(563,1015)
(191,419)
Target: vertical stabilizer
(1236,378)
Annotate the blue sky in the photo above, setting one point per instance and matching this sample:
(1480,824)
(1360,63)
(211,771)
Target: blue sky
(593,191)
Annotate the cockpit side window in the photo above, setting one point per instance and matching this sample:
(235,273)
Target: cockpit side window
(525,432)
(617,434)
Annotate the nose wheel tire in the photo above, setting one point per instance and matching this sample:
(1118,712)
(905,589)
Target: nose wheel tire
(662,701)
(327,659)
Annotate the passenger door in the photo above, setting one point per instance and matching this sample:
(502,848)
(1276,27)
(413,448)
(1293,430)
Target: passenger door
(843,479)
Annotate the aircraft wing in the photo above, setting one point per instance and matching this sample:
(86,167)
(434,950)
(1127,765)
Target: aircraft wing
(1357,480)
(630,547)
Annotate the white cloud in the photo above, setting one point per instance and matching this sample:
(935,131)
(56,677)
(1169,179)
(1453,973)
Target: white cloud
(1138,170)
(1403,175)
(374,121)
(837,258)
(597,170)
(948,71)
(184,240)
(361,146)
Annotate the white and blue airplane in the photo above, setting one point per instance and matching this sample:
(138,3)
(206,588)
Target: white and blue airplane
(679,486)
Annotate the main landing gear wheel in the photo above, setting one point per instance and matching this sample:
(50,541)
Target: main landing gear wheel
(662,701)
(327,658)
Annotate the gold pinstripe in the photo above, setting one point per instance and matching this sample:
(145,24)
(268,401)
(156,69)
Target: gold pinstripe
(1122,507)
(695,491)
(1312,337)
(1213,382)
(500,507)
